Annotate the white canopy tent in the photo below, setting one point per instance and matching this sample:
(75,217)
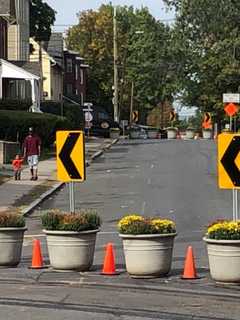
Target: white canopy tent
(11,71)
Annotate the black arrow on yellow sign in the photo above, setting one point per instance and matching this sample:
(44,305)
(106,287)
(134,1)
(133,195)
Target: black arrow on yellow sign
(65,155)
(228,161)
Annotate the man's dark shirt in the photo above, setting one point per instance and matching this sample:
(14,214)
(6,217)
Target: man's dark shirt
(31,144)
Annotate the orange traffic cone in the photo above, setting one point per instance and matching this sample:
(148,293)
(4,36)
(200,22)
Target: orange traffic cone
(189,271)
(109,262)
(37,260)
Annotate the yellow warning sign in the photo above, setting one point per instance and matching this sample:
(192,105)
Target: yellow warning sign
(71,156)
(229,161)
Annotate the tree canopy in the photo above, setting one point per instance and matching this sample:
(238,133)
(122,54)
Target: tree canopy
(42,17)
(144,57)
(206,38)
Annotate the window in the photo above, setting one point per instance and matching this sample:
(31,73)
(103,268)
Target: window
(69,65)
(69,88)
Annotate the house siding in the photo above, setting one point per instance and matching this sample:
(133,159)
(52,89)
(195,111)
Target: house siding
(18,34)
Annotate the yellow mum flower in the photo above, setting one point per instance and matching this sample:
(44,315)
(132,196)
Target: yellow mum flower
(127,220)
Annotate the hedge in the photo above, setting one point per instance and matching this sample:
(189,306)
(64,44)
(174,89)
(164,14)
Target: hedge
(72,112)
(15,104)
(14,125)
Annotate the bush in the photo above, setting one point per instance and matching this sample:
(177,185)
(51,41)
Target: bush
(62,221)
(11,219)
(136,225)
(72,112)
(18,105)
(15,124)
(224,230)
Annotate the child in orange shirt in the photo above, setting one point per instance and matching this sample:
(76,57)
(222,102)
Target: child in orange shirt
(17,165)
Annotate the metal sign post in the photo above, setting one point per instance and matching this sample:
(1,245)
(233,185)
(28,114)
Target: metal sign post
(71,197)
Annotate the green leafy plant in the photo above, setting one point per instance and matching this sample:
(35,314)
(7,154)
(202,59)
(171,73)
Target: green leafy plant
(224,230)
(9,219)
(136,225)
(82,220)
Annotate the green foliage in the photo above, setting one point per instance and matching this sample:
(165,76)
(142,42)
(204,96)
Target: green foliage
(10,219)
(143,57)
(72,112)
(11,104)
(206,42)
(15,124)
(80,221)
(42,18)
(224,230)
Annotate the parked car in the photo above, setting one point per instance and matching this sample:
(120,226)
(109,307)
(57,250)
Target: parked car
(102,122)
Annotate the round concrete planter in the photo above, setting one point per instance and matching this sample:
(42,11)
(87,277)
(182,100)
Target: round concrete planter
(114,134)
(11,240)
(70,250)
(152,134)
(207,134)
(171,133)
(224,259)
(190,133)
(148,256)
(134,134)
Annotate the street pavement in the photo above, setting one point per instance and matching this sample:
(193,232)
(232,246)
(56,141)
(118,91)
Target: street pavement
(173,179)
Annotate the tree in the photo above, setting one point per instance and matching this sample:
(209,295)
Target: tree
(42,17)
(144,57)
(207,38)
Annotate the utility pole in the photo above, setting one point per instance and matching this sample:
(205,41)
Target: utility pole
(131,104)
(115,61)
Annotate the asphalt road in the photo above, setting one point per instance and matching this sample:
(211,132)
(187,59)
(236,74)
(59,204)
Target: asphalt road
(174,179)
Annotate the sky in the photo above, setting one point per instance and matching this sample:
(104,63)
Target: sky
(67,9)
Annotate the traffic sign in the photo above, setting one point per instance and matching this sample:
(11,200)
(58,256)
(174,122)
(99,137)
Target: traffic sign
(173,116)
(229,161)
(71,156)
(207,122)
(231,109)
(88,116)
(135,116)
(231,97)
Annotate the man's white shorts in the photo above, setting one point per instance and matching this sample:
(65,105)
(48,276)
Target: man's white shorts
(33,161)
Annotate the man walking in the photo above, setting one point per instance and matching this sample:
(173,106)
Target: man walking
(31,151)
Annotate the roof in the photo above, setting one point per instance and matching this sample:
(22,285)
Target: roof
(31,67)
(54,47)
(16,70)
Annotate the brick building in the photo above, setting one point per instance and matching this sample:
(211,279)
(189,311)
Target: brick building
(75,76)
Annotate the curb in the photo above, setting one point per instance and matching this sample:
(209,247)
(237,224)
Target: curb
(26,211)
(41,198)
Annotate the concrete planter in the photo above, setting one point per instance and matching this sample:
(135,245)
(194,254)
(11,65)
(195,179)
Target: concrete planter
(171,133)
(11,240)
(190,133)
(152,134)
(148,256)
(134,134)
(69,250)
(114,134)
(207,134)
(224,259)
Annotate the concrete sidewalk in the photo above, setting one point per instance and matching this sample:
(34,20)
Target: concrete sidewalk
(26,194)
